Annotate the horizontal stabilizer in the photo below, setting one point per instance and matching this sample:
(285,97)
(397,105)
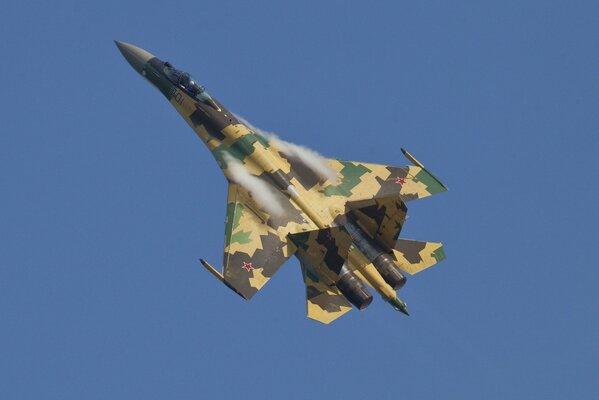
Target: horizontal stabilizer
(324,303)
(413,256)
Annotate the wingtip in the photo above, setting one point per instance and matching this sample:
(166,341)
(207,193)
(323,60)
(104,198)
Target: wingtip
(212,270)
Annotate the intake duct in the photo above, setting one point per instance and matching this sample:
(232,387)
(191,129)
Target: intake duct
(354,290)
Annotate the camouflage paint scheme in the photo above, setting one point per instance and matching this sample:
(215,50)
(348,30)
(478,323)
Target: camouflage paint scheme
(257,242)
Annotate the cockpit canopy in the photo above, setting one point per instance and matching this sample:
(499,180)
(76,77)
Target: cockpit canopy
(186,82)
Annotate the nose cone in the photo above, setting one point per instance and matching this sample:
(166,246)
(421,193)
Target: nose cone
(135,56)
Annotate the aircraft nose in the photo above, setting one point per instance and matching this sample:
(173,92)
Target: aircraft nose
(134,55)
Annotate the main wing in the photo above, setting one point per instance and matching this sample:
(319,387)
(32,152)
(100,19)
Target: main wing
(358,181)
(362,181)
(255,246)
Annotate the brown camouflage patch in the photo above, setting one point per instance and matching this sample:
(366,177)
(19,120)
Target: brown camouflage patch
(413,256)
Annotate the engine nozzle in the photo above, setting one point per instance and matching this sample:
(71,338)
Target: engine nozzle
(354,290)
(386,266)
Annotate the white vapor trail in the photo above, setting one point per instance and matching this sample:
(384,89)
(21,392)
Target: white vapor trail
(261,191)
(313,160)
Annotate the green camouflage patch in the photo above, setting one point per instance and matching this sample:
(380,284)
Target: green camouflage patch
(159,80)
(433,185)
(438,254)
(233,215)
(351,178)
(241,237)
(240,149)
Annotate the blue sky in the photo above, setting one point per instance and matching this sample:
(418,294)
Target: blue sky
(109,199)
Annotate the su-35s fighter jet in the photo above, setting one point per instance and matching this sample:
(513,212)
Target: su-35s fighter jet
(342,219)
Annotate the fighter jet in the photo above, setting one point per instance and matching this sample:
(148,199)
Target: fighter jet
(341,219)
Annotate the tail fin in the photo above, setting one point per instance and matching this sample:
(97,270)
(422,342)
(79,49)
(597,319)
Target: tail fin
(382,218)
(413,256)
(326,249)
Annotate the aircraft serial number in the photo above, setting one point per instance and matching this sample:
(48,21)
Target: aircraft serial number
(178,97)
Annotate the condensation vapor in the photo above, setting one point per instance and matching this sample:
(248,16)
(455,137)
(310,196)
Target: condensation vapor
(261,191)
(313,160)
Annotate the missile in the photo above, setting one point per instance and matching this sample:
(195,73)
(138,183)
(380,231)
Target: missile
(212,270)
(419,164)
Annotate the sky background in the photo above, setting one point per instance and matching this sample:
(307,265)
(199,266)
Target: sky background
(108,199)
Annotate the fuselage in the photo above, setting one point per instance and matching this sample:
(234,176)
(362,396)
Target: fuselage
(228,139)
(223,133)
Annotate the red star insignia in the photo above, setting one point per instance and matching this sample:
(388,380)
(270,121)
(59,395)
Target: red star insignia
(247,266)
(400,181)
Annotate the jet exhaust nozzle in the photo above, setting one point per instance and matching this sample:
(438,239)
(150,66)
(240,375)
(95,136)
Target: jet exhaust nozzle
(382,261)
(386,266)
(354,290)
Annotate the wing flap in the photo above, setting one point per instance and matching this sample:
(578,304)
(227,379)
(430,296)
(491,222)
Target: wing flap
(325,249)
